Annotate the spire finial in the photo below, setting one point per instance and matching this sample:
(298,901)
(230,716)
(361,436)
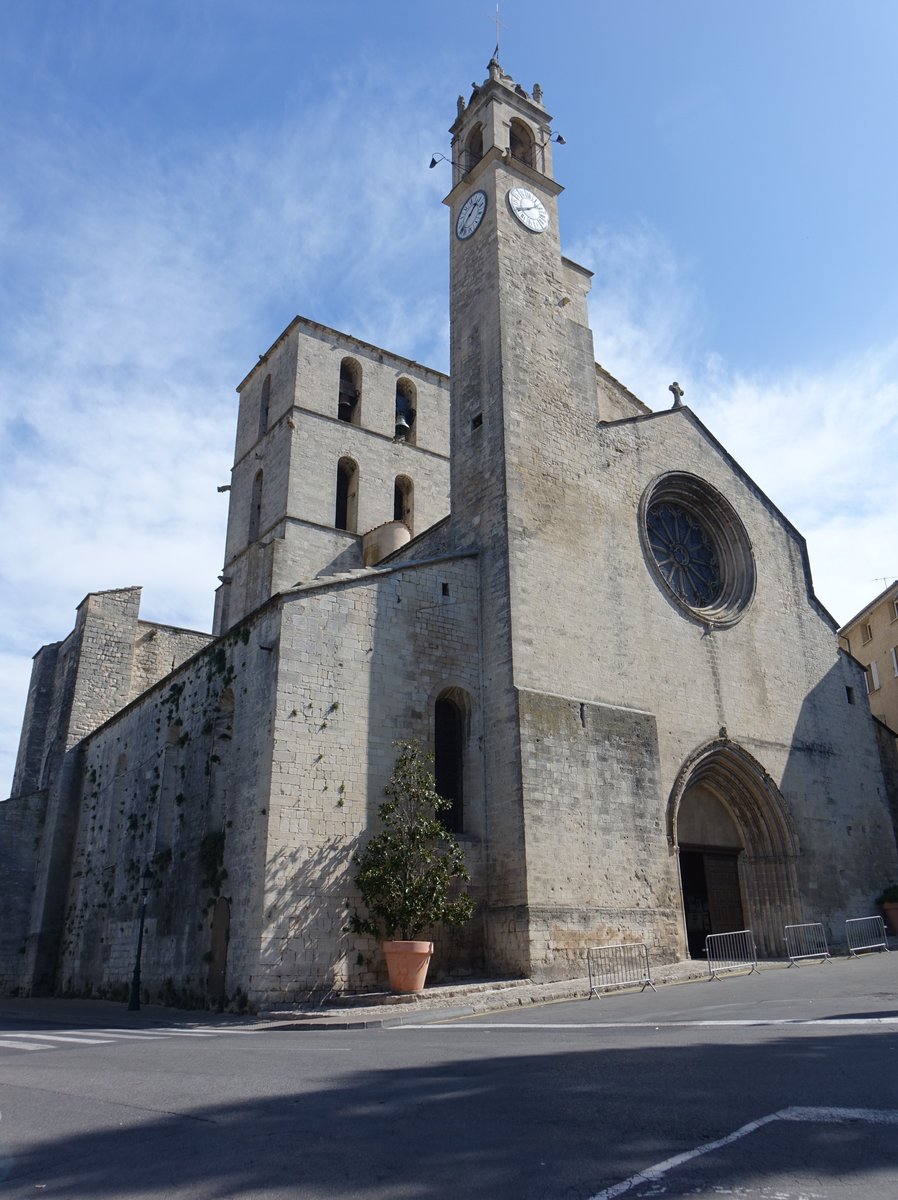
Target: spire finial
(496,51)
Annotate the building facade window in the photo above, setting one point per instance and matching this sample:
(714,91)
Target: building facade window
(406,411)
(894,654)
(264,404)
(871,676)
(403,501)
(697,548)
(521,142)
(255,509)
(684,553)
(473,152)
(347,501)
(449,759)
(349,399)
(867,633)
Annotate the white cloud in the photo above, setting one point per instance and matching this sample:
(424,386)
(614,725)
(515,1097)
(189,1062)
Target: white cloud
(644,309)
(822,443)
(144,288)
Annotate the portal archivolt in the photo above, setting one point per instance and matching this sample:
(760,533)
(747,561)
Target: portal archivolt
(727,821)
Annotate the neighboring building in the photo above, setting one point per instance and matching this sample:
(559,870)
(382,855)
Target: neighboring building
(603,627)
(872,638)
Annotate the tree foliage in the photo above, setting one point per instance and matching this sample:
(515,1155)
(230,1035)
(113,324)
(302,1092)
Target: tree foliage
(407,873)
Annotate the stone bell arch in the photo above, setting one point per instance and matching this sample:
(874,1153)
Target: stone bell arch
(728,823)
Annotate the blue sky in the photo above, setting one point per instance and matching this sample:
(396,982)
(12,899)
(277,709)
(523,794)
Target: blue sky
(181,177)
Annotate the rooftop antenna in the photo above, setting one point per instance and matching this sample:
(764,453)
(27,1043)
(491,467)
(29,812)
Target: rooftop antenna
(885,580)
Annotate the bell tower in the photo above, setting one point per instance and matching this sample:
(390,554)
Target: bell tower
(521,349)
(523,391)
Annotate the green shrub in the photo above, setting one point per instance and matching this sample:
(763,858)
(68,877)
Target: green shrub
(407,874)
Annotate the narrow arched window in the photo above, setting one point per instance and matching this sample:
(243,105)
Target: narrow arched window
(255,510)
(449,759)
(349,399)
(346,510)
(403,501)
(264,403)
(473,147)
(406,400)
(521,142)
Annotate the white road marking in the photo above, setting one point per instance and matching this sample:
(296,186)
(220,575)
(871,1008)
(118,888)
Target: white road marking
(105,1037)
(61,1037)
(192,1033)
(465,1024)
(827,1116)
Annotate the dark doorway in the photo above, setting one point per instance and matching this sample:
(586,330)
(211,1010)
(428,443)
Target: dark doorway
(712,901)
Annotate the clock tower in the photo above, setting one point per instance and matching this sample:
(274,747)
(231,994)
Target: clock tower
(523,393)
(521,351)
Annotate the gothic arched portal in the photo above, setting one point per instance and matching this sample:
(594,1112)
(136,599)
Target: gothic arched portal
(727,821)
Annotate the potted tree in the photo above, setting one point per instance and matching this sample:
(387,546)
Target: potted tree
(408,873)
(888,902)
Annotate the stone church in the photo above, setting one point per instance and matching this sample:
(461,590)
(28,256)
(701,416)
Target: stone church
(604,630)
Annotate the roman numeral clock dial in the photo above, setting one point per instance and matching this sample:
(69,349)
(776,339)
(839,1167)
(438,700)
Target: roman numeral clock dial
(529,209)
(470,216)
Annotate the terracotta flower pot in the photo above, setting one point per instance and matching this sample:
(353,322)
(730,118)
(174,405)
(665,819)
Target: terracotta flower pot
(890,912)
(407,964)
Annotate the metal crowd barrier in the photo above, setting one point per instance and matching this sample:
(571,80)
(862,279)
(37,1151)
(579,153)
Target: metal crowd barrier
(619,966)
(806,941)
(731,952)
(866,933)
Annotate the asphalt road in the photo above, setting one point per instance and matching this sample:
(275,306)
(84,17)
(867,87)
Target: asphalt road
(782,1086)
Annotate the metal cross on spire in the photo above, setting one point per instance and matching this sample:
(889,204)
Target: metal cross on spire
(498,23)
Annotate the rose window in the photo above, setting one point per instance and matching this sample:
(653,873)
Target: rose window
(684,554)
(697,548)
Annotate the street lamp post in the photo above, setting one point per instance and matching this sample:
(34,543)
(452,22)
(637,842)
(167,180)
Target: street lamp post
(134,998)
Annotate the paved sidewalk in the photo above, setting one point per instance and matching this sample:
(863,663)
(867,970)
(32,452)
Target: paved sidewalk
(381,1010)
(442,1002)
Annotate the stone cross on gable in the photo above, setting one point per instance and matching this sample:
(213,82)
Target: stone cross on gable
(678,394)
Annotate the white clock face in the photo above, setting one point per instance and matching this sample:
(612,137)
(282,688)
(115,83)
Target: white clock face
(529,209)
(471,215)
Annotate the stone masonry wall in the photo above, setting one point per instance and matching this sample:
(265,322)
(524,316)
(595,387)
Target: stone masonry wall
(773,683)
(21,821)
(176,783)
(595,832)
(361,665)
(76,685)
(159,650)
(298,452)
